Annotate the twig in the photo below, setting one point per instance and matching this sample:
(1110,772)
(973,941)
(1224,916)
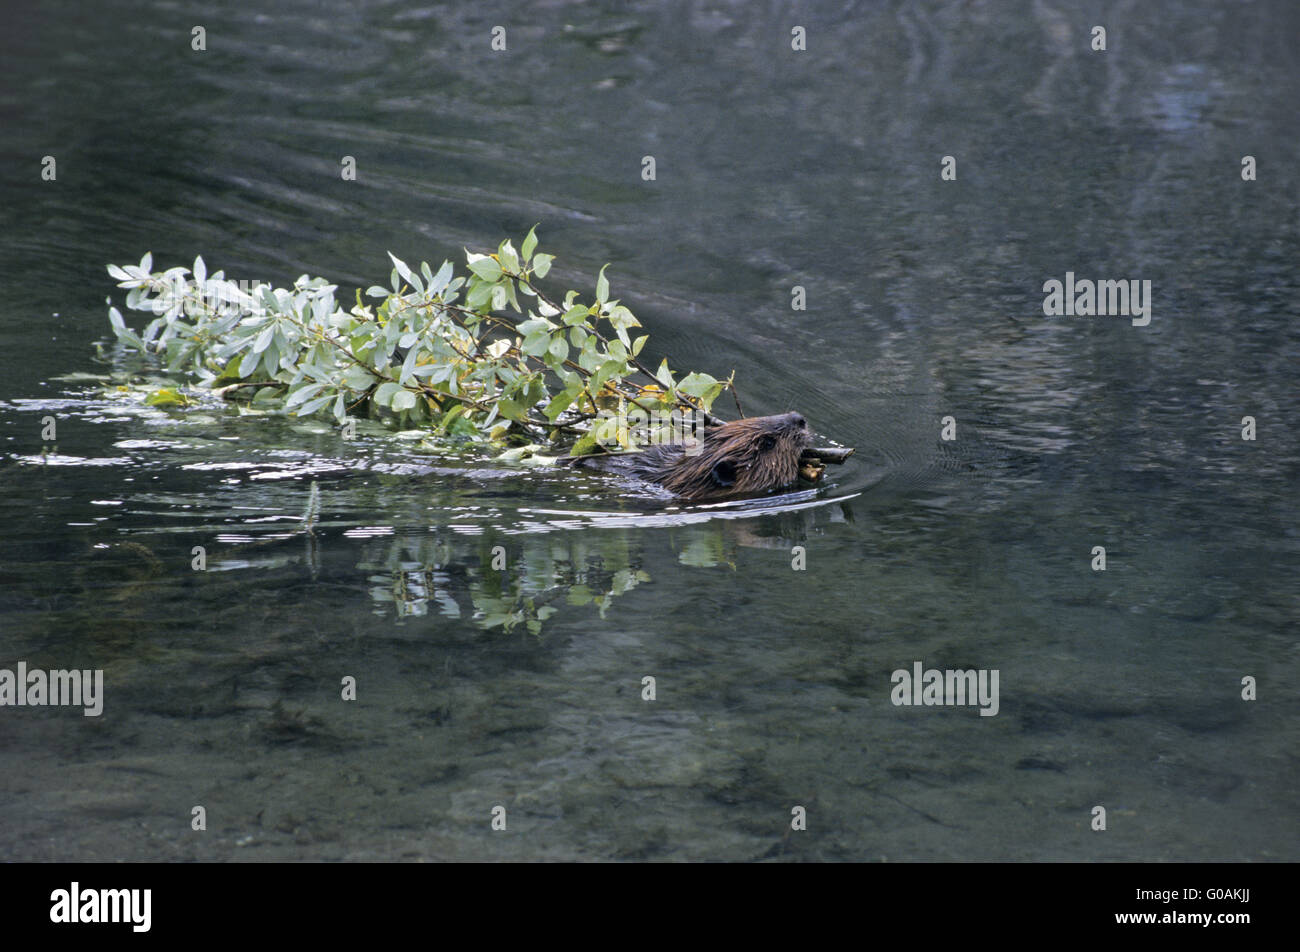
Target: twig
(827,454)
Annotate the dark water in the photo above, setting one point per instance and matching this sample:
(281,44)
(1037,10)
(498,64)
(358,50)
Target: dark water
(775,168)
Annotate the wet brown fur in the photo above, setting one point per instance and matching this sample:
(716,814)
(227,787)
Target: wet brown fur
(743,457)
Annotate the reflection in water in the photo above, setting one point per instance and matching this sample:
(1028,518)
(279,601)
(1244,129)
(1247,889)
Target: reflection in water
(501,574)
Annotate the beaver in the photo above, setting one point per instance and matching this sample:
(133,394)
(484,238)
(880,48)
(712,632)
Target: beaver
(744,457)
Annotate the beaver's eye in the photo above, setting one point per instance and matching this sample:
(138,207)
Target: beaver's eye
(766,443)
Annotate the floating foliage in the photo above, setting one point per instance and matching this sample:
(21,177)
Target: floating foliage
(485,354)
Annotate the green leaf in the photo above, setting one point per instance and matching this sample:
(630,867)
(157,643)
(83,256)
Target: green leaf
(486,268)
(270,359)
(698,385)
(264,339)
(479,294)
(559,403)
(511,409)
(638,344)
(542,265)
(266,398)
(619,316)
(576,315)
(358,378)
(534,345)
(441,279)
(609,370)
(408,365)
(663,375)
(166,397)
(509,260)
(303,394)
(535,390)
(530,243)
(602,286)
(307,409)
(584,445)
(573,382)
(407,274)
(532,326)
(249,363)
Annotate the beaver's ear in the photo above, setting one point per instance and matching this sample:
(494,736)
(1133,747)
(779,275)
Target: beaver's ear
(724,473)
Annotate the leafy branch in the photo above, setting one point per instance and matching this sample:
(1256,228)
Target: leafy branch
(439,350)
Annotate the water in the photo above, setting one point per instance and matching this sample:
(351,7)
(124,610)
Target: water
(820,169)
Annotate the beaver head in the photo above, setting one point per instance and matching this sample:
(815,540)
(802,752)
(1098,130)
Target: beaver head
(753,455)
(743,457)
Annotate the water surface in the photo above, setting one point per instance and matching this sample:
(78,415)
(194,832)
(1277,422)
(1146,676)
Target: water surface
(522,687)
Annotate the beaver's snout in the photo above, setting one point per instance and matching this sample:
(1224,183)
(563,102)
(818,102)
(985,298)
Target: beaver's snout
(792,420)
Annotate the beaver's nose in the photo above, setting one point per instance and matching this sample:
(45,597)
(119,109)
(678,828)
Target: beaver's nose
(799,421)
